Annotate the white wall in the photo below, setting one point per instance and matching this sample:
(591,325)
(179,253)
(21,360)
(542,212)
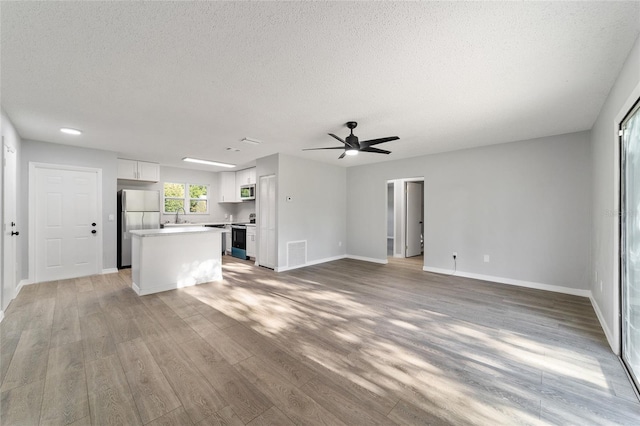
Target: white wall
(12,139)
(44,152)
(317,210)
(217,211)
(605,186)
(526,204)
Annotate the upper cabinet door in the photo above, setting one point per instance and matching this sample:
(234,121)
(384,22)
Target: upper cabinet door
(228,190)
(127,169)
(241,178)
(246,177)
(138,170)
(148,171)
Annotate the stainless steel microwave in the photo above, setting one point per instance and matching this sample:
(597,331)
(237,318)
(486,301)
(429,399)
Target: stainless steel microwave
(247,192)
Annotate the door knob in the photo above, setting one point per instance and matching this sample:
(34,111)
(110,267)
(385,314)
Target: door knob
(14,233)
(93,224)
(94,231)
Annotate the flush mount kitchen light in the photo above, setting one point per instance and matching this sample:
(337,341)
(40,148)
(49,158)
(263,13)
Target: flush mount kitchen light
(251,141)
(351,152)
(70,131)
(211,163)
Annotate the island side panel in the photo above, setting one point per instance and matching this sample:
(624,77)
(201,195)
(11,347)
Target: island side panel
(171,261)
(135,262)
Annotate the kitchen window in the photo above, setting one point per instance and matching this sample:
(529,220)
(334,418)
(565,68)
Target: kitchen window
(193,198)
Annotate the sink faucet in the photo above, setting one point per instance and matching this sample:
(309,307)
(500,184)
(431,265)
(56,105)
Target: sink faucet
(178,212)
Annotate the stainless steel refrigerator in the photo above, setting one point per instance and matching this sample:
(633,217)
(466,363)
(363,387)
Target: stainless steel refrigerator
(138,210)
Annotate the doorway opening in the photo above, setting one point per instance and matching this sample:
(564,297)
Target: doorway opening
(405,220)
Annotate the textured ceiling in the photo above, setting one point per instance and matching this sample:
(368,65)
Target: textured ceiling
(164,80)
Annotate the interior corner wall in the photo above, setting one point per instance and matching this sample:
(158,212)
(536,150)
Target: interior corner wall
(526,204)
(605,289)
(51,153)
(316,210)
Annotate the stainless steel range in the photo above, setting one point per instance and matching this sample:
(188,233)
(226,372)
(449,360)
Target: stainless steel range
(239,241)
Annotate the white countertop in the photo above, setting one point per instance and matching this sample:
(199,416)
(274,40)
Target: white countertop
(177,230)
(177,225)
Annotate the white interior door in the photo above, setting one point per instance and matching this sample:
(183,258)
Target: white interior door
(66,224)
(414,219)
(267,222)
(10,228)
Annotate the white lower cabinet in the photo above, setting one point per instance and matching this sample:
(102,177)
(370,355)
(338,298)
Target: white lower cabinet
(251,241)
(228,239)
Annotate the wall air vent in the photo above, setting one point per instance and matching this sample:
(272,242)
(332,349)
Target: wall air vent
(296,253)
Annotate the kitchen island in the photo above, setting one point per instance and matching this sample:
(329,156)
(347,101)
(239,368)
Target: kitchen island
(170,258)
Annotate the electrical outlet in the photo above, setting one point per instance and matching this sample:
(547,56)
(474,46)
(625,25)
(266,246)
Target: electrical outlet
(486,258)
(339,243)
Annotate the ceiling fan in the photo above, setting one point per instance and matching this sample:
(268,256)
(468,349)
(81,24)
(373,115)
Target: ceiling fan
(352,146)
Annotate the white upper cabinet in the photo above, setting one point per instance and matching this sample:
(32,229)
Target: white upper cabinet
(228,189)
(138,170)
(246,177)
(230,183)
(148,171)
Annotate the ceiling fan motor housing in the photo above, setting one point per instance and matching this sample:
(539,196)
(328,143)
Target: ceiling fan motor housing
(352,140)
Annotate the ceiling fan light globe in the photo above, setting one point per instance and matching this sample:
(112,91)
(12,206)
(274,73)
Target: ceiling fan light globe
(351,152)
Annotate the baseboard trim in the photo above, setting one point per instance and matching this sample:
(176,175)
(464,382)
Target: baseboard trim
(21,284)
(609,335)
(169,286)
(313,262)
(510,281)
(110,271)
(367,259)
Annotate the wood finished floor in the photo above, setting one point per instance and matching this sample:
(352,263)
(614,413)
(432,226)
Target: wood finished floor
(345,342)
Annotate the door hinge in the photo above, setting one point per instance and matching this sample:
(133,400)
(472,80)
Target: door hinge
(621,132)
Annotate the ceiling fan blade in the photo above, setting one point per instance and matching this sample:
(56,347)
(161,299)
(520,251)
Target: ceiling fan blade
(376,150)
(337,137)
(331,147)
(370,142)
(342,156)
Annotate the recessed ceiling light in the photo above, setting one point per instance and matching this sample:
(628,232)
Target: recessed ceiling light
(211,163)
(70,131)
(251,141)
(351,152)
